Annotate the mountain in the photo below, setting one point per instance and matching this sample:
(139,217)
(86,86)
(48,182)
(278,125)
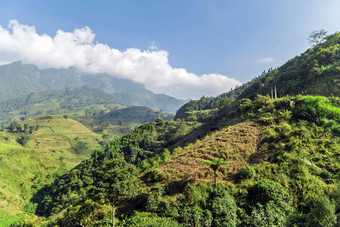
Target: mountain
(19,79)
(314,72)
(280,167)
(67,100)
(98,110)
(240,159)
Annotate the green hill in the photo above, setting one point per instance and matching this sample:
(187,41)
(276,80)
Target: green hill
(41,148)
(116,122)
(281,159)
(63,101)
(240,159)
(314,72)
(35,152)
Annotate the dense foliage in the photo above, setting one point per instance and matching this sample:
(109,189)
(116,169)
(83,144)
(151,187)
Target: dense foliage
(292,179)
(90,178)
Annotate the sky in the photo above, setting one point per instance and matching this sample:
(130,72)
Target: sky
(186,49)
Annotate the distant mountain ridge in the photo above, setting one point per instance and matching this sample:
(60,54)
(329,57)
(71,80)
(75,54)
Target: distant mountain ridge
(18,79)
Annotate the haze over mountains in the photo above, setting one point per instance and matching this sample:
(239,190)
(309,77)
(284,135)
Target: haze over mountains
(18,79)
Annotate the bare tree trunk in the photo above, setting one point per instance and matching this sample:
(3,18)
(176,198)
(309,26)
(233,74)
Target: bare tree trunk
(272,96)
(275,92)
(113,214)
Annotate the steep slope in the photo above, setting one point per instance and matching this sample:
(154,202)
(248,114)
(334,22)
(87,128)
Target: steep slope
(240,159)
(34,153)
(281,159)
(236,144)
(314,72)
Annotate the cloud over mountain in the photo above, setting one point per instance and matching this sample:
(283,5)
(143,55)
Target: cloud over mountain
(79,49)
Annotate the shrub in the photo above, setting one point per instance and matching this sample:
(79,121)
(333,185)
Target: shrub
(324,210)
(223,208)
(247,172)
(23,140)
(267,190)
(150,220)
(196,216)
(269,214)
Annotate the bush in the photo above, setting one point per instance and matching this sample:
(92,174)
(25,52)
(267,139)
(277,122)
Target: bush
(267,190)
(23,140)
(269,214)
(302,220)
(30,207)
(223,208)
(196,216)
(150,220)
(246,172)
(324,210)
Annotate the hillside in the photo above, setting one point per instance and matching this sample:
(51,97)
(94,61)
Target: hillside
(41,148)
(116,122)
(36,151)
(314,72)
(281,159)
(18,79)
(100,111)
(63,101)
(239,159)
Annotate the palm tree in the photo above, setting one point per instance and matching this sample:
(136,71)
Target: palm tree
(214,165)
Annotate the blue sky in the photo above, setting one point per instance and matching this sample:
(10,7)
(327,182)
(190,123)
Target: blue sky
(203,37)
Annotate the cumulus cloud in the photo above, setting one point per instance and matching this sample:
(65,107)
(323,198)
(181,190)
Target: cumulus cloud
(79,49)
(265,60)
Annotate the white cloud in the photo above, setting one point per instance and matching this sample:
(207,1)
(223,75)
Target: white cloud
(78,49)
(265,60)
(5,62)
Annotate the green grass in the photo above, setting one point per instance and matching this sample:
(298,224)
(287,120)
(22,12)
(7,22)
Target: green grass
(57,146)
(7,219)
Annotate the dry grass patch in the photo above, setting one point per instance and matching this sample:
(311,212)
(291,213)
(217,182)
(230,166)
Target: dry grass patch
(235,144)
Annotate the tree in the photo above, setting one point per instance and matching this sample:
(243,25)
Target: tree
(223,207)
(317,37)
(14,127)
(23,140)
(214,165)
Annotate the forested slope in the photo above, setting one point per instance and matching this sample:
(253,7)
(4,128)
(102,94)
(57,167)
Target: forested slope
(314,72)
(281,166)
(240,159)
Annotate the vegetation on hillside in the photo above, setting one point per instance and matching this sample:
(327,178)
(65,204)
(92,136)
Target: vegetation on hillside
(240,159)
(288,174)
(32,154)
(314,72)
